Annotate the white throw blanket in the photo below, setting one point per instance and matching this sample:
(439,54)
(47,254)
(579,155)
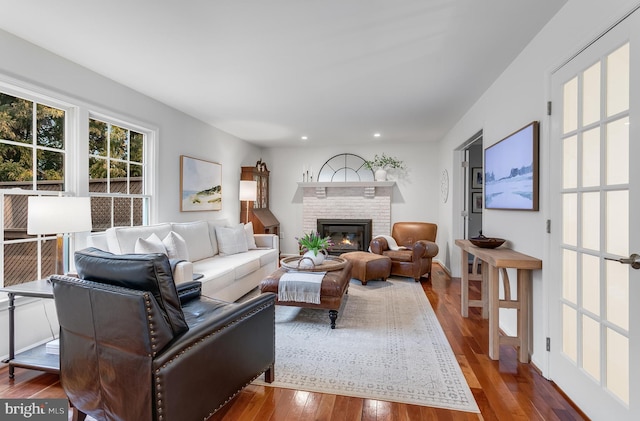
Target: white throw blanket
(300,286)
(391,242)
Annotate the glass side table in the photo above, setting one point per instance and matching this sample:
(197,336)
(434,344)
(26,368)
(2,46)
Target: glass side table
(35,358)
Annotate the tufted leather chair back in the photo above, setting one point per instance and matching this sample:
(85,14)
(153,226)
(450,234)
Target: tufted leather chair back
(108,332)
(144,272)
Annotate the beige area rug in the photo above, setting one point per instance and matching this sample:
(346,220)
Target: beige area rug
(388,345)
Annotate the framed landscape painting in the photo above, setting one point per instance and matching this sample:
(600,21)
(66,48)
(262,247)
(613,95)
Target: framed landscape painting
(200,185)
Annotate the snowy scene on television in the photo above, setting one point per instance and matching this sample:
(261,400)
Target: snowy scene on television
(511,174)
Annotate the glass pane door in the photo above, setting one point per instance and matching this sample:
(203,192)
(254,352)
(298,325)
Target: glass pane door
(592,334)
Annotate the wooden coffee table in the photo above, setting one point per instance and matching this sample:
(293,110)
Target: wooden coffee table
(335,284)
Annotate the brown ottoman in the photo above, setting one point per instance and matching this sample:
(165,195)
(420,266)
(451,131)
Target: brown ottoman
(368,266)
(335,284)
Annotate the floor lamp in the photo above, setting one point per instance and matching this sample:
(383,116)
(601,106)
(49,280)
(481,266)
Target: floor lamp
(248,192)
(58,215)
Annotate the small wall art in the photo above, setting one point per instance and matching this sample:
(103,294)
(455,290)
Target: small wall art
(476,202)
(476,178)
(200,185)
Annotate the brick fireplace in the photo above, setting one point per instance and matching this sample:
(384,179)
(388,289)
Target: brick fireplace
(348,200)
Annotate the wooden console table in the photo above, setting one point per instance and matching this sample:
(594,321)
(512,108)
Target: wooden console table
(494,261)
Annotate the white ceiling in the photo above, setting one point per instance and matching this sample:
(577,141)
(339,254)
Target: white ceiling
(271,71)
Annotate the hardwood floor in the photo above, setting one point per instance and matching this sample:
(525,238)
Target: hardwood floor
(504,389)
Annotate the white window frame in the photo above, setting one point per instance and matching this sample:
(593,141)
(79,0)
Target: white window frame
(147,165)
(76,147)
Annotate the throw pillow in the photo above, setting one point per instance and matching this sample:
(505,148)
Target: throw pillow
(196,235)
(152,244)
(176,246)
(213,223)
(248,232)
(231,240)
(122,240)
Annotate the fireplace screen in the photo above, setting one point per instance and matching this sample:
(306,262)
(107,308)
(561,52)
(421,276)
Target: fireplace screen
(346,234)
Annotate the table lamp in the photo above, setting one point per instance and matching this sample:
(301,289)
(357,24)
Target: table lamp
(58,215)
(248,192)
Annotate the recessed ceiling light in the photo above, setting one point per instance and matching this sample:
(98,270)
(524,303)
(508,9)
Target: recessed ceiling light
(304,138)
(376,135)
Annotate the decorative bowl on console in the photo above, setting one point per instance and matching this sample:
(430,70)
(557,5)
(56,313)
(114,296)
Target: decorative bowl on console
(487,242)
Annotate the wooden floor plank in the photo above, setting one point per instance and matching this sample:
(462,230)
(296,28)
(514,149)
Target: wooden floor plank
(325,407)
(369,410)
(355,409)
(261,397)
(504,390)
(311,406)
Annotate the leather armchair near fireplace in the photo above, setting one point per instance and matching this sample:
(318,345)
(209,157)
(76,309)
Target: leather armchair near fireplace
(133,346)
(415,249)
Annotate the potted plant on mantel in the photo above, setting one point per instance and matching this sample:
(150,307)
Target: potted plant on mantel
(381,163)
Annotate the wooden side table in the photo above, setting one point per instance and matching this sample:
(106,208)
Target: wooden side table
(35,358)
(496,260)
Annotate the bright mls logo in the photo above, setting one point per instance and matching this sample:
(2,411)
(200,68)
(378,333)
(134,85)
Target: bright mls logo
(34,409)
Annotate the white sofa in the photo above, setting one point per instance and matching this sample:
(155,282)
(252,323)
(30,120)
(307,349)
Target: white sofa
(227,274)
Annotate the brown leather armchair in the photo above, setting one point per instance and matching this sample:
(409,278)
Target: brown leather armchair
(417,247)
(134,347)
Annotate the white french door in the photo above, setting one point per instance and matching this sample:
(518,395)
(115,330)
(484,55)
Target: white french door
(595,196)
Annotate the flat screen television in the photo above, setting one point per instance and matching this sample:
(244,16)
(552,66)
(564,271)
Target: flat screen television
(511,171)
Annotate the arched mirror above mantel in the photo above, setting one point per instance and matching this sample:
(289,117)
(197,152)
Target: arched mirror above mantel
(345,167)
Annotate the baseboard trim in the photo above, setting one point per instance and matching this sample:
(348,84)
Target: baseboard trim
(442,265)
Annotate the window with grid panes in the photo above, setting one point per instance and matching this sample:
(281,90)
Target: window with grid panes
(116,175)
(33,148)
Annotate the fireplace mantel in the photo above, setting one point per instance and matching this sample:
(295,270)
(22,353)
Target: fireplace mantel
(368,187)
(347,200)
(339,184)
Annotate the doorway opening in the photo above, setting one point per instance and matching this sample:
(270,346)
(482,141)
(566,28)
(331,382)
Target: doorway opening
(473,186)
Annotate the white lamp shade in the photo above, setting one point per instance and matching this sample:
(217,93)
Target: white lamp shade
(248,190)
(58,215)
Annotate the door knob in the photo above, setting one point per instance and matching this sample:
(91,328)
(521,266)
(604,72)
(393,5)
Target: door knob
(633,260)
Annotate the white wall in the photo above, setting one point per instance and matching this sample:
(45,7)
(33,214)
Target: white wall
(414,197)
(516,98)
(179,134)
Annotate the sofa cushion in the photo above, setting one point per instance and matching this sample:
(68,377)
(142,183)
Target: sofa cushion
(122,240)
(268,256)
(143,272)
(98,240)
(245,264)
(176,246)
(196,235)
(151,244)
(219,274)
(213,223)
(231,240)
(248,233)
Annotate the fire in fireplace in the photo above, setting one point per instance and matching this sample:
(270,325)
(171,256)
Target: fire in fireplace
(346,234)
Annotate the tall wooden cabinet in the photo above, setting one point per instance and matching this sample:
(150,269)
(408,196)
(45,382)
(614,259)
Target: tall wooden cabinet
(264,222)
